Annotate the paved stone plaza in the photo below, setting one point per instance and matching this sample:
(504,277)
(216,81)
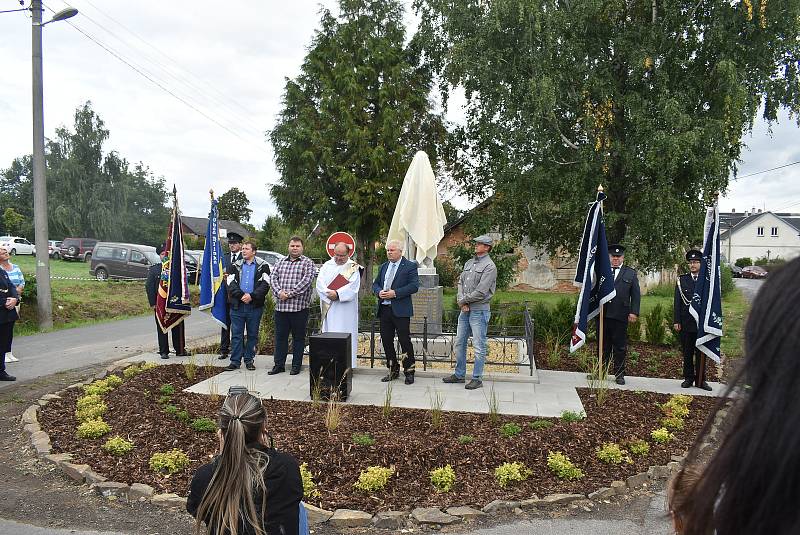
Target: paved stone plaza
(518,394)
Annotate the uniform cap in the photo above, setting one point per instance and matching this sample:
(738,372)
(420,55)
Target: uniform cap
(484,239)
(616,250)
(693,254)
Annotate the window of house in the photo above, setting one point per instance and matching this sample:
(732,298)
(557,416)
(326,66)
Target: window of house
(774,232)
(760,231)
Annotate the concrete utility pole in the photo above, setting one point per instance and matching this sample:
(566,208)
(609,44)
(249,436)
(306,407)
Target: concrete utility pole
(44,300)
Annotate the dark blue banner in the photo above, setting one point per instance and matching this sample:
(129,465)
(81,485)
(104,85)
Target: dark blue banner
(706,305)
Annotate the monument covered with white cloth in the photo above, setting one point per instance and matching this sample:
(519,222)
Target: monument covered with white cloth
(418,222)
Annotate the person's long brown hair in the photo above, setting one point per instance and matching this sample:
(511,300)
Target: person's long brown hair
(239,473)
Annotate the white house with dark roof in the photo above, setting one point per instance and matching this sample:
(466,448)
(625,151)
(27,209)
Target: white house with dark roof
(759,234)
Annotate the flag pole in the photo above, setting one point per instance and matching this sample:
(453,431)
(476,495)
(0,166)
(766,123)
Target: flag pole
(701,368)
(601,371)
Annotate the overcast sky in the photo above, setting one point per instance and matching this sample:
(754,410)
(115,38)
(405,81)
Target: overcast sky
(227,63)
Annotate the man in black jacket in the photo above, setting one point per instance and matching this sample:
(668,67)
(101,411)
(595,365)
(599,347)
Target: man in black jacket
(619,311)
(178,333)
(248,284)
(235,245)
(684,323)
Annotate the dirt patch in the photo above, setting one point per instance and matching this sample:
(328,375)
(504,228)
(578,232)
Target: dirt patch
(406,440)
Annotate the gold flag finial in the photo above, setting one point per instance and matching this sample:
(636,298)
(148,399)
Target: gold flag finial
(600,188)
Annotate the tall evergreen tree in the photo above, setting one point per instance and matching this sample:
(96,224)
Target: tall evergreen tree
(648,97)
(352,121)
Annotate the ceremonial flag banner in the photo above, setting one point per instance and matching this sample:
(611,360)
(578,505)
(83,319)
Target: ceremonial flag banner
(213,296)
(706,305)
(593,274)
(172,302)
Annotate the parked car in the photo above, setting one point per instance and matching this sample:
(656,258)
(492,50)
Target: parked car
(112,260)
(53,248)
(16,245)
(77,249)
(271,257)
(754,272)
(736,271)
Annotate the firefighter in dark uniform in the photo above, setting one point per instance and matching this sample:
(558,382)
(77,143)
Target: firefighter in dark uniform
(235,246)
(178,333)
(619,311)
(684,323)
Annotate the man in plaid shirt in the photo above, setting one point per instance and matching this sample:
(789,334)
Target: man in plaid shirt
(292,280)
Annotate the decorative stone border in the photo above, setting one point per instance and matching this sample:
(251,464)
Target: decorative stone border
(342,518)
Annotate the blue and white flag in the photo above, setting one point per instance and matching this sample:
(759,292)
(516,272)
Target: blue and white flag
(213,294)
(706,305)
(593,274)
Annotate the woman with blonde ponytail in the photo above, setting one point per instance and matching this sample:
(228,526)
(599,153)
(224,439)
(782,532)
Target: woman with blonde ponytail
(249,488)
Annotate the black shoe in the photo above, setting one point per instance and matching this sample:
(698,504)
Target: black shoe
(620,379)
(391,376)
(183,353)
(452,379)
(473,384)
(410,379)
(295,370)
(5,377)
(165,356)
(276,370)
(230,368)
(705,386)
(687,383)
(224,356)
(249,365)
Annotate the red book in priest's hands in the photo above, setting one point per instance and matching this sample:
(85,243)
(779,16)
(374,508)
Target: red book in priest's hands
(338,282)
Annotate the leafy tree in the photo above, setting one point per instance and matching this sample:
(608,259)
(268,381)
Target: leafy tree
(234,206)
(90,193)
(649,98)
(12,221)
(351,123)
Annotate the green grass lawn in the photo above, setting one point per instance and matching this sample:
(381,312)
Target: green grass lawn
(58,268)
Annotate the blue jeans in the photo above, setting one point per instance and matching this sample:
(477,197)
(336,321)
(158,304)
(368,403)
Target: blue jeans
(294,322)
(245,317)
(475,322)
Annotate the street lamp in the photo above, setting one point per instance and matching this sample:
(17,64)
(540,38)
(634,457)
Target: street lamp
(44,301)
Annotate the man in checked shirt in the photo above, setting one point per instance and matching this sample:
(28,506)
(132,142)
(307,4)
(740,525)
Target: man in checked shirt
(292,280)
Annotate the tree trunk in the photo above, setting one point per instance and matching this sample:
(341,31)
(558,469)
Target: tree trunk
(365,252)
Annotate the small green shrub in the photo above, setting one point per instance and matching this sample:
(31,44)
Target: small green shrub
(171,409)
(163,400)
(675,410)
(562,467)
(572,416)
(167,389)
(638,447)
(183,415)
(204,425)
(443,478)
(612,453)
(117,445)
(363,439)
(508,473)
(88,401)
(540,424)
(744,262)
(654,327)
(680,399)
(662,435)
(510,429)
(97,388)
(169,462)
(672,422)
(309,487)
(93,429)
(131,371)
(373,478)
(91,412)
(113,381)
(465,439)
(148,366)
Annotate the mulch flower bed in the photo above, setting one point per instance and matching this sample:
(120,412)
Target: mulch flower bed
(643,360)
(406,440)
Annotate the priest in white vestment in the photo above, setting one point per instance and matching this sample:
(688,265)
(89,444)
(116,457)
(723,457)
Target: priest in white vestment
(337,286)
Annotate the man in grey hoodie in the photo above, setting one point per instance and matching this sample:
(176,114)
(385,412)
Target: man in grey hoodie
(476,286)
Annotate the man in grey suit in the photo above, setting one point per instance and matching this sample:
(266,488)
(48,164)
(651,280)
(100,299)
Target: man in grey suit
(619,311)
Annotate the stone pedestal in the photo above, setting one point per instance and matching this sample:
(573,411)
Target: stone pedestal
(427,303)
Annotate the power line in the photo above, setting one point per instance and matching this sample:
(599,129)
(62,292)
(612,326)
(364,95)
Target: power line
(151,78)
(767,170)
